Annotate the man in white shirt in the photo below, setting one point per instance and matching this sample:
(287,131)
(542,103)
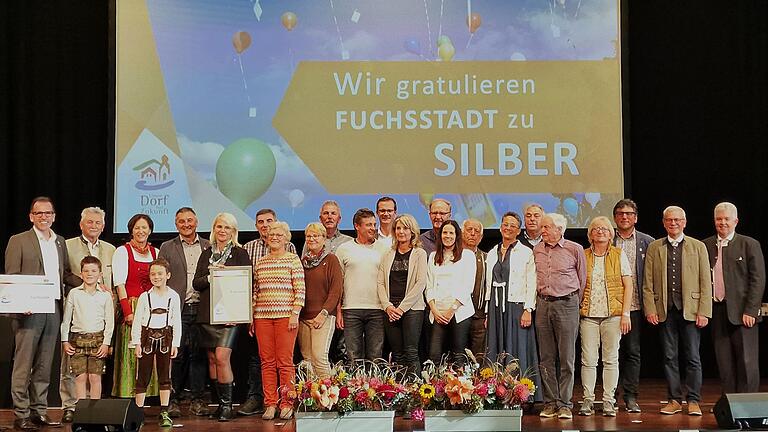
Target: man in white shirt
(38,251)
(386,210)
(362,317)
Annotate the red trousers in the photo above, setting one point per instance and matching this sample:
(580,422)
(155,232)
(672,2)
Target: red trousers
(276,345)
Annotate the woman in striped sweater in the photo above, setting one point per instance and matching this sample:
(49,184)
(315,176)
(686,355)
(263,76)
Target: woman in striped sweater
(278,297)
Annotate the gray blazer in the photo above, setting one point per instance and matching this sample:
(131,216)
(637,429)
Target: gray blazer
(414,287)
(744,275)
(173,251)
(23,256)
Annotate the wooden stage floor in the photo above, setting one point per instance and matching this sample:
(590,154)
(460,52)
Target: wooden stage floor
(652,392)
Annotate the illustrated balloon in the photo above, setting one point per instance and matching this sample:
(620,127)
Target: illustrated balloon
(241,41)
(592,198)
(571,206)
(413,46)
(245,170)
(446,51)
(289,20)
(296,198)
(517,57)
(443,39)
(426,199)
(474,21)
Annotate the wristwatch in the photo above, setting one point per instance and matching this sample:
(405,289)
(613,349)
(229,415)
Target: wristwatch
(455,306)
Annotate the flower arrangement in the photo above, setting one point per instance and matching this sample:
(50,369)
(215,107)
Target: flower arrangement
(470,387)
(368,386)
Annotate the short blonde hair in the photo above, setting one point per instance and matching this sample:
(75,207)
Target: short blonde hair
(409,222)
(281,226)
(316,227)
(599,220)
(229,219)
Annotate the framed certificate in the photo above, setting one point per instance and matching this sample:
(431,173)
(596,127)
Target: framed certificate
(231,295)
(27,293)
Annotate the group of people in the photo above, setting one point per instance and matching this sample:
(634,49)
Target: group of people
(423,296)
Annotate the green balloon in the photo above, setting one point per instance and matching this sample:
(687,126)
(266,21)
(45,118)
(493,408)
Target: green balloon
(443,39)
(245,170)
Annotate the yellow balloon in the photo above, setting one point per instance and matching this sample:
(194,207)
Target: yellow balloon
(241,41)
(446,51)
(289,20)
(426,199)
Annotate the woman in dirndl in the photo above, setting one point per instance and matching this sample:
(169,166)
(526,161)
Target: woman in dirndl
(130,270)
(510,297)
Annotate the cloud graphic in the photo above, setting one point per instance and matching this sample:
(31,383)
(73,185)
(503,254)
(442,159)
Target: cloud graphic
(201,156)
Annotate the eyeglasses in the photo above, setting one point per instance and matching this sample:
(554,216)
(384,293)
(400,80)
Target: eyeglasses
(674,220)
(385,210)
(625,213)
(601,229)
(276,235)
(43,213)
(437,213)
(510,226)
(314,236)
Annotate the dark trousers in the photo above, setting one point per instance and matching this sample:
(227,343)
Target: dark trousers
(363,333)
(629,357)
(457,336)
(145,366)
(255,386)
(736,351)
(557,326)
(338,350)
(426,335)
(35,337)
(403,337)
(676,331)
(477,332)
(190,367)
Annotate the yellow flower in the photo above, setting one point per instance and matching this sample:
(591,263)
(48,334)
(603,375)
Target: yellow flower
(427,391)
(486,373)
(315,387)
(342,375)
(529,384)
(371,393)
(300,387)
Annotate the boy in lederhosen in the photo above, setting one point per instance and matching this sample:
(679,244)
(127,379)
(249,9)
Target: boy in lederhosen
(156,335)
(86,329)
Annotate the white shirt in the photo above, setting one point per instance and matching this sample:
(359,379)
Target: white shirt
(452,281)
(724,241)
(598,295)
(49,249)
(86,312)
(143,317)
(360,266)
(675,242)
(120,263)
(522,275)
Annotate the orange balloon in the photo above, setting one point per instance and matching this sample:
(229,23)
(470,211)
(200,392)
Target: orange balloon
(474,21)
(289,20)
(241,41)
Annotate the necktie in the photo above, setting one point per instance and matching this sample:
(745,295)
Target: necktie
(718,274)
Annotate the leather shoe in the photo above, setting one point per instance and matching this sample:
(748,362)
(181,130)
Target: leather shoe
(25,424)
(673,407)
(43,420)
(68,416)
(693,408)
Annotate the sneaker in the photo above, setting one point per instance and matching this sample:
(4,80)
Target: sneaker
(250,407)
(564,413)
(549,411)
(198,408)
(673,407)
(269,413)
(165,420)
(174,411)
(693,408)
(586,408)
(632,406)
(609,410)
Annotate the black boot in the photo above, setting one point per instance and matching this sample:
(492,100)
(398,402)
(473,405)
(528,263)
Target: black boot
(225,396)
(215,398)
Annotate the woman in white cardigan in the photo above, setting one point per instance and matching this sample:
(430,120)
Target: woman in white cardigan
(510,298)
(450,280)
(401,283)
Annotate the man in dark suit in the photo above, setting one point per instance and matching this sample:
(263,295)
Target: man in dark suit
(738,273)
(635,244)
(190,365)
(677,296)
(38,251)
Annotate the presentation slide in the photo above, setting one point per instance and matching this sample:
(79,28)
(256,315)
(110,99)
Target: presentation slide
(237,105)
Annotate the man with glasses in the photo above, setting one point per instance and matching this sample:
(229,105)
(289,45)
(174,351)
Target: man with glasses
(386,210)
(677,296)
(38,251)
(634,244)
(257,249)
(439,212)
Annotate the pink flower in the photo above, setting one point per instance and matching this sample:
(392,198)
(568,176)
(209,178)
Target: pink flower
(482,390)
(439,388)
(501,391)
(417,414)
(361,397)
(521,392)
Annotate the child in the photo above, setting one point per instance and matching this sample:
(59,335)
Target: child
(156,334)
(86,329)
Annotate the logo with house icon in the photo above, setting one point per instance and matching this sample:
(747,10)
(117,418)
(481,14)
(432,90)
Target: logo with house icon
(154,174)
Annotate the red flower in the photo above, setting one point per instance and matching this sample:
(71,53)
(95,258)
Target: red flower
(501,391)
(343,392)
(482,390)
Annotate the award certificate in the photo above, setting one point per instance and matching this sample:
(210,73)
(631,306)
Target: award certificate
(231,295)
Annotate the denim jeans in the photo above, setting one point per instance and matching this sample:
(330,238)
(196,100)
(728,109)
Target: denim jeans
(455,334)
(190,367)
(676,331)
(363,333)
(403,337)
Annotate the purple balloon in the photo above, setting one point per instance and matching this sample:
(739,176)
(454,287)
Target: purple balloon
(413,46)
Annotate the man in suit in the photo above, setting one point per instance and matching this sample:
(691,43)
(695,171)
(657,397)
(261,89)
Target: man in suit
(86,244)
(677,295)
(38,251)
(190,365)
(738,273)
(472,235)
(635,244)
